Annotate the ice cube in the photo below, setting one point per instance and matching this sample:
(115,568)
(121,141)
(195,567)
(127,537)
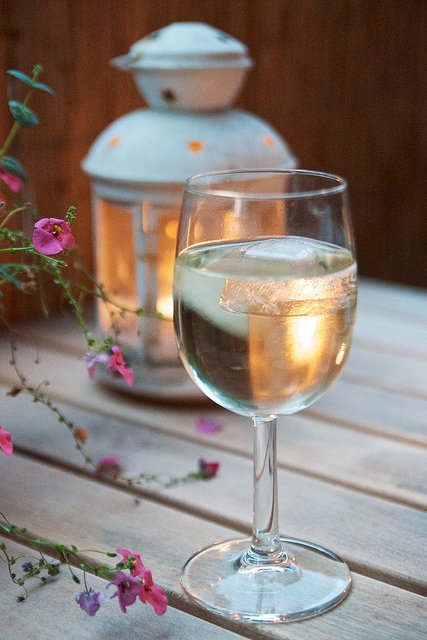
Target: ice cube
(264,298)
(241,296)
(295,297)
(290,250)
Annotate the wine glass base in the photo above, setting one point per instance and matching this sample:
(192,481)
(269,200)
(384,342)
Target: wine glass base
(310,582)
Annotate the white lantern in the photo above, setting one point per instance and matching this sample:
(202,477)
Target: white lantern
(189,74)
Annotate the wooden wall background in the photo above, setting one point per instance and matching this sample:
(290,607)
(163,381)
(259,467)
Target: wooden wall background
(343,81)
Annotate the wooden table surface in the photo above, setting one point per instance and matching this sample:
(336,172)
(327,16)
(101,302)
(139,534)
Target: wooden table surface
(352,478)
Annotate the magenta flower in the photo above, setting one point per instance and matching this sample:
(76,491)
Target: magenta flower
(6,442)
(151,593)
(109,466)
(13,183)
(137,568)
(116,363)
(208,469)
(206,425)
(51,236)
(91,361)
(90,601)
(127,589)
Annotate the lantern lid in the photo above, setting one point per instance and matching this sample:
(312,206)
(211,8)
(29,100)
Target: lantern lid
(185,45)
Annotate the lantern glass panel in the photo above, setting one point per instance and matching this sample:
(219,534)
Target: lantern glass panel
(159,229)
(115,265)
(135,252)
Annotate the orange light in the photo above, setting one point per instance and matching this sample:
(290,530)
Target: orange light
(268,140)
(196,146)
(164,306)
(340,355)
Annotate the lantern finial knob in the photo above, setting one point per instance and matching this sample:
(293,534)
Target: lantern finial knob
(187,65)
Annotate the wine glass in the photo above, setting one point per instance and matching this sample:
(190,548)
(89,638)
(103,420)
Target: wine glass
(264,308)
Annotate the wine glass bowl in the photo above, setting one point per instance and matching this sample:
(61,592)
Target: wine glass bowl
(264,307)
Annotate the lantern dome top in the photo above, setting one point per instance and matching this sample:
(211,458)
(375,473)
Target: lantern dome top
(185,45)
(149,146)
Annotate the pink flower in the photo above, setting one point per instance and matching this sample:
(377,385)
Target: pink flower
(137,568)
(205,425)
(6,442)
(91,361)
(127,589)
(151,593)
(208,469)
(13,183)
(116,363)
(109,466)
(51,236)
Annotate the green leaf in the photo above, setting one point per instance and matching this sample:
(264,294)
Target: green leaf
(12,166)
(6,274)
(20,76)
(23,115)
(24,78)
(43,87)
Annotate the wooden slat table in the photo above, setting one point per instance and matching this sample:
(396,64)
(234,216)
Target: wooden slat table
(352,478)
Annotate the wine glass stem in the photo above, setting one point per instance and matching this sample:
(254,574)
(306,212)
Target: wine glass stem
(266,545)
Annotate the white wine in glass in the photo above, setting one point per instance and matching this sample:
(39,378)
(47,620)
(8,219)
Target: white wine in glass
(264,308)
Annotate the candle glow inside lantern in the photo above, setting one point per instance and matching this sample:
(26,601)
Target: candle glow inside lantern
(189,74)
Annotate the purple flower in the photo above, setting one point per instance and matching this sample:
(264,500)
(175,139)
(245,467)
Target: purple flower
(205,425)
(127,589)
(27,567)
(90,601)
(208,469)
(91,360)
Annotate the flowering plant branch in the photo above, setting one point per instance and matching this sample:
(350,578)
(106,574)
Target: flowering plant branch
(138,582)
(105,466)
(50,237)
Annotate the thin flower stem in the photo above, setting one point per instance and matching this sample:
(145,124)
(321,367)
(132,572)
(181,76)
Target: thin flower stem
(10,561)
(39,397)
(14,249)
(138,312)
(10,214)
(12,133)
(84,579)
